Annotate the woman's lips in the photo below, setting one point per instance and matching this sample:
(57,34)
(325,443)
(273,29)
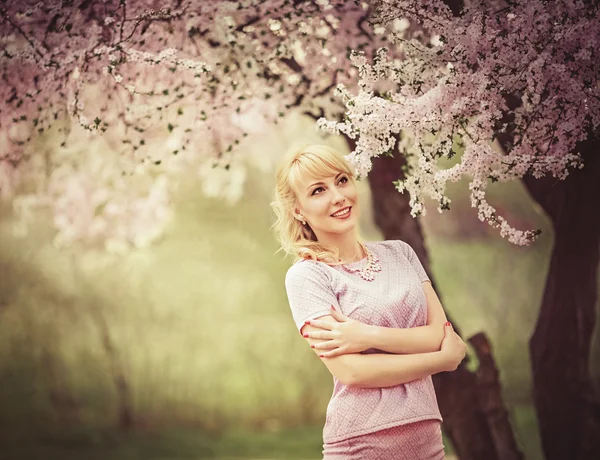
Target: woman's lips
(344,216)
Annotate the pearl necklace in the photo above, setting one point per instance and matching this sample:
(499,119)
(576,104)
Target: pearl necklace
(366,272)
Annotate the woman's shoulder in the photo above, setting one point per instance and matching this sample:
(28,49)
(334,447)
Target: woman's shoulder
(307,268)
(390,245)
(393,250)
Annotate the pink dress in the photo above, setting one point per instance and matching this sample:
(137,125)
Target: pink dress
(396,422)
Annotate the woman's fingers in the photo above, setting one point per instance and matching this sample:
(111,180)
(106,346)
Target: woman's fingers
(332,353)
(320,324)
(323,335)
(326,345)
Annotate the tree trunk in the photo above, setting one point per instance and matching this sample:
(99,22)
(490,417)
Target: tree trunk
(465,422)
(567,405)
(489,399)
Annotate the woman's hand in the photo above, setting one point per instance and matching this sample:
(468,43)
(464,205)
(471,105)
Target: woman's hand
(344,336)
(453,348)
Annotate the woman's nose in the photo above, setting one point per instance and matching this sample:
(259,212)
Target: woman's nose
(337,196)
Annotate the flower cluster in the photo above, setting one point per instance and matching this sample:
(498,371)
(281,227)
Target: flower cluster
(528,73)
(177,89)
(183,84)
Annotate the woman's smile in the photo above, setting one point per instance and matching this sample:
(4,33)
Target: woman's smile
(343,213)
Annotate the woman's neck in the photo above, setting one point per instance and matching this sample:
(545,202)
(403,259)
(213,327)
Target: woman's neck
(349,248)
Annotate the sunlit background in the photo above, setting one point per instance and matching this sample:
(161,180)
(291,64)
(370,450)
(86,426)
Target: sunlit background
(187,349)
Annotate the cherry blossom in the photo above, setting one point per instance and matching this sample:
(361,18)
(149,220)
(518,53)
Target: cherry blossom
(455,91)
(177,86)
(168,86)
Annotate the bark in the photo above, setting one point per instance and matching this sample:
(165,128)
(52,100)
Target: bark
(566,402)
(489,398)
(468,425)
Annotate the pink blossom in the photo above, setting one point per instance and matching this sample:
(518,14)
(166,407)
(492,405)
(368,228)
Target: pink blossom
(460,88)
(212,73)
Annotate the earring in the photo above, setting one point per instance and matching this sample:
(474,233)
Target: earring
(302,219)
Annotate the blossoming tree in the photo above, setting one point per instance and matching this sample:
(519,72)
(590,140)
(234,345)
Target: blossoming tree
(202,73)
(459,88)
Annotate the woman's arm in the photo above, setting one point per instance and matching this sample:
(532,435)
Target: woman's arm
(380,370)
(349,336)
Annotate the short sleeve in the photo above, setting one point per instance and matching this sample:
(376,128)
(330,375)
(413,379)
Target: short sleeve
(309,291)
(412,257)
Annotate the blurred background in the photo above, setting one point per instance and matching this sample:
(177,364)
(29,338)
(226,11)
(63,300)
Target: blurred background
(187,349)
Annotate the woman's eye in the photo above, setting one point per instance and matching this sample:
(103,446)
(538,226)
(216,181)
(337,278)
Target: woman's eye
(344,178)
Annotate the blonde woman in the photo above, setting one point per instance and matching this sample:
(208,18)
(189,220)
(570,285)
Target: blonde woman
(368,310)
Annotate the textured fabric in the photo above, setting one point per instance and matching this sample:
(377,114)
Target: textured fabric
(414,441)
(395,298)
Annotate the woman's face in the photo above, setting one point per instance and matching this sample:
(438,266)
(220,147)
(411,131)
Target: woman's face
(321,199)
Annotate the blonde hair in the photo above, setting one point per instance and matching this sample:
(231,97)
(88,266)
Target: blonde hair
(295,238)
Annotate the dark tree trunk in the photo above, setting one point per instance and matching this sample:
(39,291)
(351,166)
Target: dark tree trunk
(489,399)
(567,405)
(467,424)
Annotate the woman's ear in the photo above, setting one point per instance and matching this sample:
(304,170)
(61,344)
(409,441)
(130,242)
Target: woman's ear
(297,213)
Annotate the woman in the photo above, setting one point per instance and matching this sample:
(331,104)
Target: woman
(368,310)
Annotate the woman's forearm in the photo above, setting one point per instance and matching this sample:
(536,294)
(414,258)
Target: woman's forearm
(422,339)
(379,370)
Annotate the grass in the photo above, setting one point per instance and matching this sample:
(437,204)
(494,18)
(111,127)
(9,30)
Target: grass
(169,443)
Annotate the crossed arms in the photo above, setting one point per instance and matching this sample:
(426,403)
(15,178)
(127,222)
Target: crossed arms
(416,352)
